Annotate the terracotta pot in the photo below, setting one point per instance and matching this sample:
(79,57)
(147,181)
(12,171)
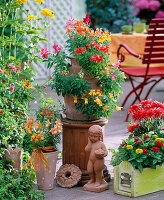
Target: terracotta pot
(71,112)
(16,156)
(45,178)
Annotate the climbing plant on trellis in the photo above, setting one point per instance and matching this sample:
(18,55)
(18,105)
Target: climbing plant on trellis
(56,30)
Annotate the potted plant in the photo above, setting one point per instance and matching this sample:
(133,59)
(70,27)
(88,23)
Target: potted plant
(82,73)
(43,137)
(141,155)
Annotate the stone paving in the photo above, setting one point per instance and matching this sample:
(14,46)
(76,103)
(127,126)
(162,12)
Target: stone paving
(115,131)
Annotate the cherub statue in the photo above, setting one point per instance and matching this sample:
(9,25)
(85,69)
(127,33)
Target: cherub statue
(95,165)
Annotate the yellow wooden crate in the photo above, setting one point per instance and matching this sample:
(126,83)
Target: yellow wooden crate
(131,182)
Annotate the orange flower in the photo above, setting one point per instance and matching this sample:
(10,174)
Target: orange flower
(69,30)
(75,99)
(105,107)
(82,96)
(107,70)
(99,93)
(30,121)
(98,31)
(91,34)
(48,124)
(21,112)
(42,113)
(79,23)
(50,114)
(86,101)
(92,92)
(38,126)
(17,116)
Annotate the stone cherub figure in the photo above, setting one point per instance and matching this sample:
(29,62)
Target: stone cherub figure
(95,165)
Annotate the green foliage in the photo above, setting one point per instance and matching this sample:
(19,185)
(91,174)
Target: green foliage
(143,159)
(17,184)
(19,37)
(115,160)
(111,14)
(144,146)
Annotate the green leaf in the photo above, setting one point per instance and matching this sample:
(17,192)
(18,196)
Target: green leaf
(44,39)
(33,32)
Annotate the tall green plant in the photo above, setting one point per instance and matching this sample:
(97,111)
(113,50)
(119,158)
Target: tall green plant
(19,38)
(111,14)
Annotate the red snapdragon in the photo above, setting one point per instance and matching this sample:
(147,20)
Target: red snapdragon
(44,52)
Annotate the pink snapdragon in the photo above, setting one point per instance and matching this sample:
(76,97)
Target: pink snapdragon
(13,68)
(57,48)
(112,76)
(72,22)
(11,89)
(44,52)
(116,65)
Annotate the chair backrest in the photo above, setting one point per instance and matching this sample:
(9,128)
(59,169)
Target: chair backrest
(154,46)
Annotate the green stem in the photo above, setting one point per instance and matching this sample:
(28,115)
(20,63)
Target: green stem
(11,32)
(15,36)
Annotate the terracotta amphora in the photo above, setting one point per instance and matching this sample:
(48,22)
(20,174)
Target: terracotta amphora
(16,156)
(45,177)
(71,112)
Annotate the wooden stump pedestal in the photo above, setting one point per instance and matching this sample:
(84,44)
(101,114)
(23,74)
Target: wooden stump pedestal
(75,138)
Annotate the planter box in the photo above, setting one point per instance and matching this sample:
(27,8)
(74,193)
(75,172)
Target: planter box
(131,182)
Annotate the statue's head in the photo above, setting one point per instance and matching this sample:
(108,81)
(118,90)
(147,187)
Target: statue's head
(95,133)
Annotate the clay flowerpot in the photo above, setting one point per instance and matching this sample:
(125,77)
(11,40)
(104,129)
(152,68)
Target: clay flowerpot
(71,112)
(45,178)
(16,156)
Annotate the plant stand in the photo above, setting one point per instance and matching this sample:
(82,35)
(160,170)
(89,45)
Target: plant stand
(75,138)
(133,183)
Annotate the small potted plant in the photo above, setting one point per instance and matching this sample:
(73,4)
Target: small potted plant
(43,137)
(83,74)
(141,155)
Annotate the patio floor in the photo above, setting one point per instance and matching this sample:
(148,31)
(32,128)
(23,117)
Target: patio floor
(115,131)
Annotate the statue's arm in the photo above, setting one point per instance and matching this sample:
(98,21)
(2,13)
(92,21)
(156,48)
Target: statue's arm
(89,145)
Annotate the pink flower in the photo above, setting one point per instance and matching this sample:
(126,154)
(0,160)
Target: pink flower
(112,76)
(116,65)
(142,4)
(44,52)
(1,71)
(57,48)
(11,89)
(72,22)
(160,14)
(154,5)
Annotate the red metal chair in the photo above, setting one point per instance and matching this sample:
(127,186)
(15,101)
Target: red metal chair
(153,53)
